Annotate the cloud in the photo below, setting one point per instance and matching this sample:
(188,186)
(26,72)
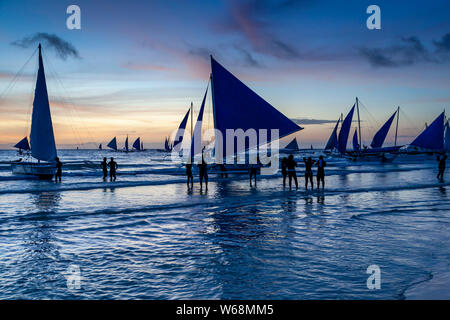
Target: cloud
(63,48)
(408,52)
(443,45)
(305,121)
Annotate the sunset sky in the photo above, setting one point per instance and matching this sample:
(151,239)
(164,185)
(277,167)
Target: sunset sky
(135,66)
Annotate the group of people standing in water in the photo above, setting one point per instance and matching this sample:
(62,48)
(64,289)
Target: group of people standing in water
(288,170)
(288,166)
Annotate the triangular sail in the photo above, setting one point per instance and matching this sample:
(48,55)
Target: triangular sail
(126,144)
(137,144)
(355,141)
(196,143)
(112,144)
(380,136)
(236,106)
(447,137)
(100,146)
(180,131)
(23,144)
(333,140)
(432,137)
(42,139)
(345,131)
(293,145)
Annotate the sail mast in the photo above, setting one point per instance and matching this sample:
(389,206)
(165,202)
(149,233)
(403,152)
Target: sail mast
(396,128)
(359,121)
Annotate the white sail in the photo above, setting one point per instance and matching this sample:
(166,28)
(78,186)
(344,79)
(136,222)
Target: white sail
(42,139)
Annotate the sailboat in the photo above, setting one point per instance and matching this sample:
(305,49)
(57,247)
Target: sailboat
(126,145)
(332,143)
(22,145)
(167,145)
(113,144)
(291,146)
(137,144)
(42,140)
(235,106)
(100,147)
(431,139)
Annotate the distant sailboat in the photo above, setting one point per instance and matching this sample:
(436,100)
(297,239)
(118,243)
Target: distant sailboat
(292,146)
(126,145)
(137,144)
(333,140)
(432,138)
(42,140)
(100,147)
(22,145)
(142,146)
(113,144)
(177,143)
(167,145)
(345,131)
(236,106)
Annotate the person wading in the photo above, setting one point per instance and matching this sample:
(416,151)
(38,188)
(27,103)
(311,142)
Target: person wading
(321,172)
(112,169)
(308,172)
(58,170)
(441,167)
(104,166)
(291,164)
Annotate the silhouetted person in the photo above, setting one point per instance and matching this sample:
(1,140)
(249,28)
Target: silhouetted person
(58,170)
(203,171)
(308,172)
(284,170)
(254,169)
(291,164)
(223,171)
(441,161)
(189,176)
(104,165)
(321,172)
(112,169)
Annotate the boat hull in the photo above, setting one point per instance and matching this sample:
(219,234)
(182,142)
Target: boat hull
(42,171)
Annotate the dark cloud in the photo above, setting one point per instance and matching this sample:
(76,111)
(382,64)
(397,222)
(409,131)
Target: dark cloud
(443,45)
(63,48)
(248,59)
(409,51)
(312,121)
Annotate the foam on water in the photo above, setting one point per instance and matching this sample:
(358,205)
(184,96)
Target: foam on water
(147,236)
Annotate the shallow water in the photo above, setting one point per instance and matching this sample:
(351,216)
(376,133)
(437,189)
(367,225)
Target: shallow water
(147,237)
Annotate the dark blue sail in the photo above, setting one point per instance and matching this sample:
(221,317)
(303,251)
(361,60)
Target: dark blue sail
(42,139)
(293,145)
(333,140)
(23,144)
(447,137)
(196,143)
(380,136)
(112,144)
(355,141)
(180,131)
(345,131)
(126,144)
(432,138)
(137,144)
(237,107)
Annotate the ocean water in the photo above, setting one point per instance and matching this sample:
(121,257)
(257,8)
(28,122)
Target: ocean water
(146,236)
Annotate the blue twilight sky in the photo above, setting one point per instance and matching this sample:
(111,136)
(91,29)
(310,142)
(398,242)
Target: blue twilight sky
(135,66)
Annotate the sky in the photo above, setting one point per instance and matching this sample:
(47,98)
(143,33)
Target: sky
(135,66)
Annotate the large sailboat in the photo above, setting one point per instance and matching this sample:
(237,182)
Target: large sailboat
(236,107)
(42,140)
(431,139)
